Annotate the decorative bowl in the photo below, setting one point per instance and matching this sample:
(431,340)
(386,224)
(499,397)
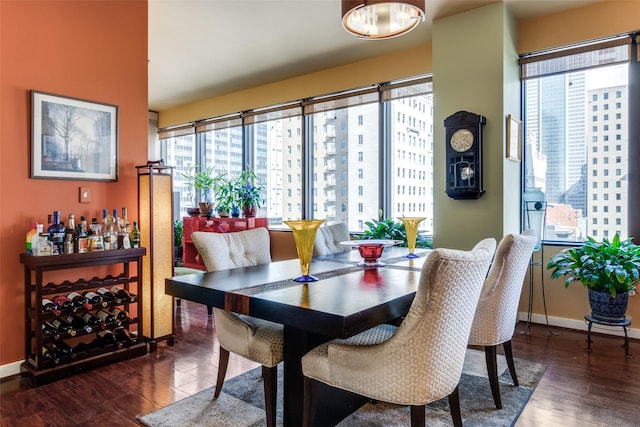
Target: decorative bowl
(370,250)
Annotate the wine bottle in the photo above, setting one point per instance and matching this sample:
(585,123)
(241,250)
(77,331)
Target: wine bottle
(106,338)
(107,295)
(123,335)
(49,306)
(107,318)
(135,235)
(79,300)
(61,348)
(77,323)
(49,355)
(57,233)
(63,326)
(123,294)
(64,303)
(48,330)
(92,320)
(95,299)
(121,315)
(82,348)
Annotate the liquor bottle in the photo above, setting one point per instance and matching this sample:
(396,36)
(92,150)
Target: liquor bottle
(77,323)
(106,338)
(49,221)
(49,355)
(110,238)
(125,225)
(123,294)
(107,295)
(135,235)
(82,242)
(96,242)
(49,306)
(64,303)
(29,241)
(123,335)
(56,233)
(68,244)
(48,330)
(116,220)
(79,301)
(73,232)
(63,326)
(124,241)
(95,299)
(108,318)
(92,320)
(121,315)
(44,246)
(35,239)
(106,219)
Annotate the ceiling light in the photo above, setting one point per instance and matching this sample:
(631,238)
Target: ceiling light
(380,19)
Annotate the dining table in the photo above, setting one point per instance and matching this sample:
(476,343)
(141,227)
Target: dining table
(345,300)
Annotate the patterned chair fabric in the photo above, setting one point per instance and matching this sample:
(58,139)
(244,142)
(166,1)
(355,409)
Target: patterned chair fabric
(421,360)
(255,339)
(328,239)
(497,310)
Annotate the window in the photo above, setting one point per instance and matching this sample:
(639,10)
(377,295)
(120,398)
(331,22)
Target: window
(562,155)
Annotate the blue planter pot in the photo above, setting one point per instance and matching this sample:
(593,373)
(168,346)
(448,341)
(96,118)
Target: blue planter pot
(606,308)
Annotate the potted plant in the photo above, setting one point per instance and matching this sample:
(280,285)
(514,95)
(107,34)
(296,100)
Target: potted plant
(225,190)
(189,177)
(610,271)
(249,193)
(203,182)
(178,231)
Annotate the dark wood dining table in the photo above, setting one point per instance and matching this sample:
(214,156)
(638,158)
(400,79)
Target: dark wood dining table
(346,300)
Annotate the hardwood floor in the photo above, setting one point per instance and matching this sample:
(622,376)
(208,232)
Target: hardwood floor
(578,389)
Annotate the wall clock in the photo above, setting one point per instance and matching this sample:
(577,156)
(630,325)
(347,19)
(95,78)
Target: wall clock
(463,133)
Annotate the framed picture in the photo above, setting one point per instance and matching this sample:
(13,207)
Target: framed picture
(73,138)
(514,138)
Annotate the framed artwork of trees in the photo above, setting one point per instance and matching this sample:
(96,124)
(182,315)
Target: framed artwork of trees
(73,138)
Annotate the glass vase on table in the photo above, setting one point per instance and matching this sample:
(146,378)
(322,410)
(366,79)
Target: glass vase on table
(304,235)
(411,227)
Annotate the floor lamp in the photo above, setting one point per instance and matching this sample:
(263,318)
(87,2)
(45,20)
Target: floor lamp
(535,208)
(155,210)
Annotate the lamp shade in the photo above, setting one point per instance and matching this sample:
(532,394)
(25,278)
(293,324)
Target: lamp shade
(380,19)
(155,204)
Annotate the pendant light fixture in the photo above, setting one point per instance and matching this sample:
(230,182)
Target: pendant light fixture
(381,19)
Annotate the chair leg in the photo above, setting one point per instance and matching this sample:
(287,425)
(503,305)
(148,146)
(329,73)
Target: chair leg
(492,369)
(307,406)
(209,310)
(509,356)
(270,381)
(223,361)
(454,407)
(417,415)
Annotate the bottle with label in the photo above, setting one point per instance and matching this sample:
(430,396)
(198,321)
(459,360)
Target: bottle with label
(48,330)
(61,348)
(92,320)
(120,315)
(63,326)
(71,231)
(135,235)
(123,335)
(68,244)
(79,301)
(125,226)
(106,338)
(49,306)
(49,355)
(77,323)
(29,241)
(35,239)
(96,242)
(123,294)
(106,219)
(82,241)
(110,238)
(95,299)
(64,303)
(107,295)
(108,318)
(57,232)
(44,246)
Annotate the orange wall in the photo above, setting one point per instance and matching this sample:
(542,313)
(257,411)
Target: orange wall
(94,50)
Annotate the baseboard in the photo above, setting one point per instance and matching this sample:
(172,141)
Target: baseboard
(580,325)
(10,369)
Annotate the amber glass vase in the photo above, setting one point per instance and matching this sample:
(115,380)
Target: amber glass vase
(411,227)
(304,234)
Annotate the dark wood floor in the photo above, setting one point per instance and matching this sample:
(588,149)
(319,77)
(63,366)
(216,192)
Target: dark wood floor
(578,389)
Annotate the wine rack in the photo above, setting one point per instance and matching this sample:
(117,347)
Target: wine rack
(40,370)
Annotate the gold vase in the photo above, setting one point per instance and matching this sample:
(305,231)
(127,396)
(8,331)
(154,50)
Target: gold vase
(304,234)
(411,227)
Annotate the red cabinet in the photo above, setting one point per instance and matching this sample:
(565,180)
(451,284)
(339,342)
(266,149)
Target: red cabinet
(190,256)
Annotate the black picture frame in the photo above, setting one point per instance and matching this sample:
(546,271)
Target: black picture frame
(73,138)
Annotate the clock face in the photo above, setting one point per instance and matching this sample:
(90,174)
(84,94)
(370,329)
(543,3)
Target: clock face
(462,140)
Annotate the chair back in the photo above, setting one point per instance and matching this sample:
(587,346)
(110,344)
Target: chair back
(423,360)
(223,251)
(328,239)
(495,317)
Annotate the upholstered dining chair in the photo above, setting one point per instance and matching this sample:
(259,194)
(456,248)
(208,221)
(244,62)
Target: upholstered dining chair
(328,239)
(497,310)
(255,339)
(421,360)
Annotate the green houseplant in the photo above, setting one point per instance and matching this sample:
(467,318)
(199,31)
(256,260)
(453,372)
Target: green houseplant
(610,271)
(189,177)
(203,182)
(249,192)
(224,188)
(391,229)
(178,230)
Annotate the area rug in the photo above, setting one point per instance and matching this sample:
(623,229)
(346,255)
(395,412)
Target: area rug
(241,403)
